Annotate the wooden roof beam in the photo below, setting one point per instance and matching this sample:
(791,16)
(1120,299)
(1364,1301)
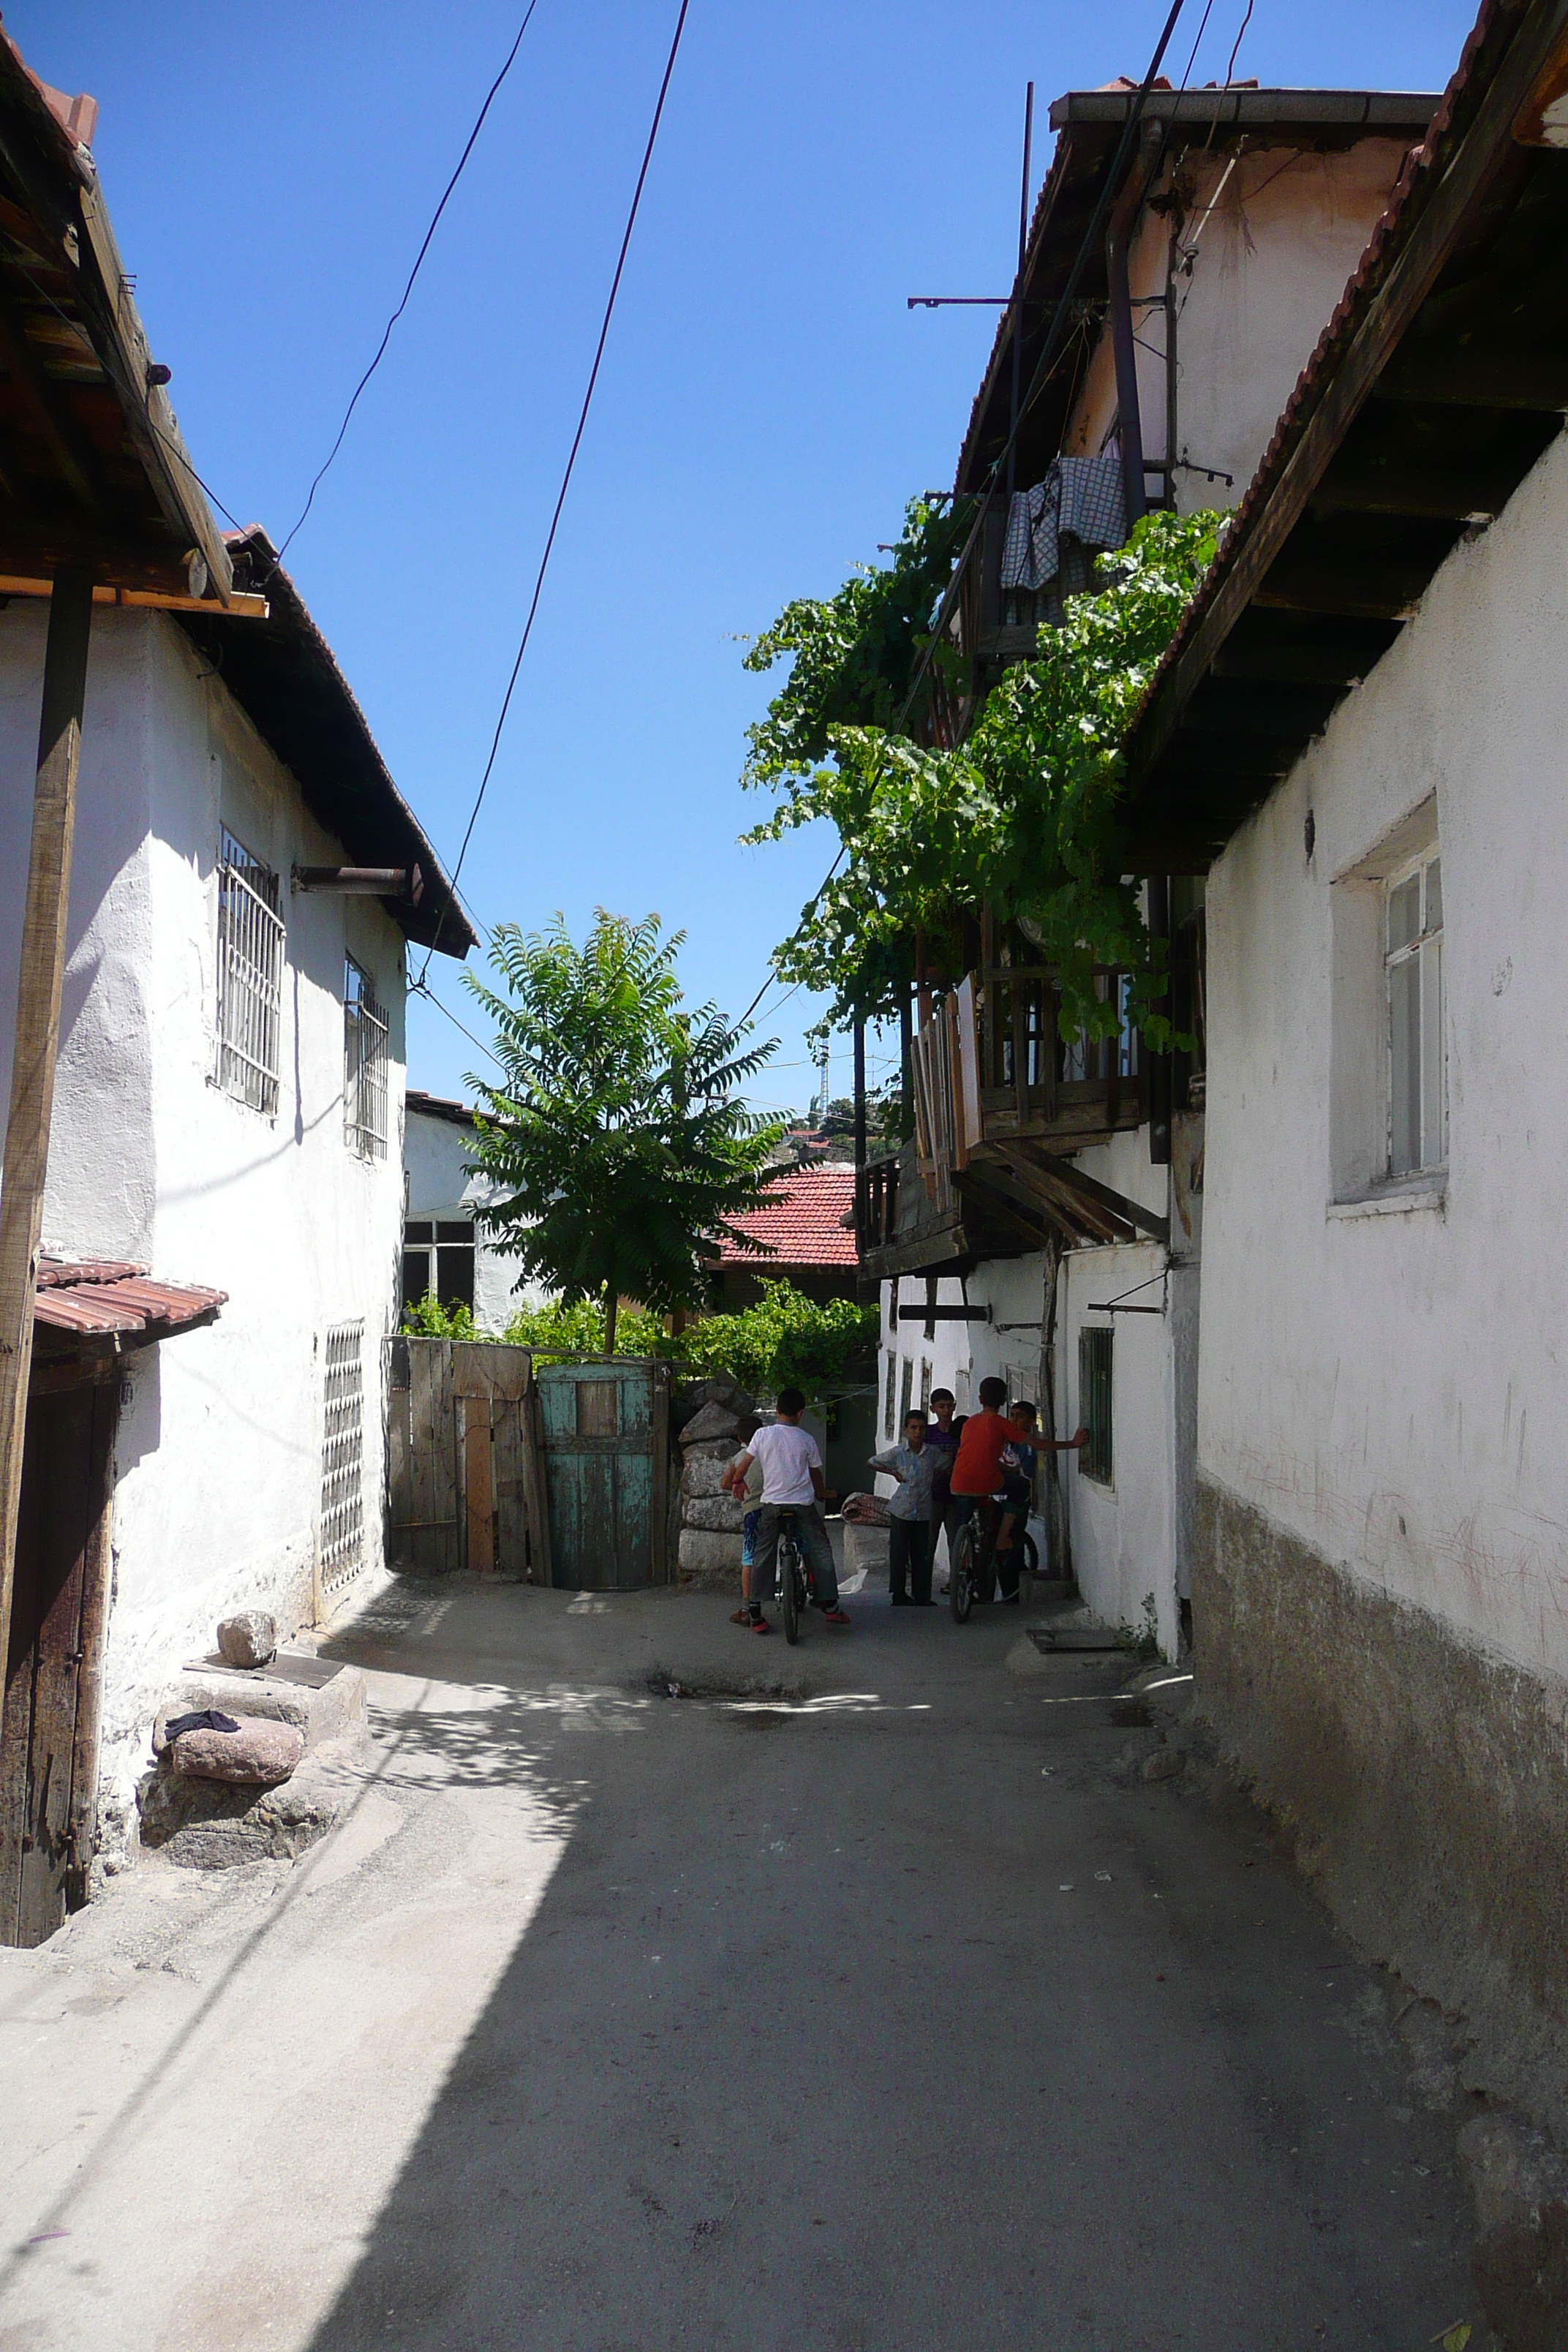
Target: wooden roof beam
(1478,376)
(1359,591)
(1440,492)
(40,398)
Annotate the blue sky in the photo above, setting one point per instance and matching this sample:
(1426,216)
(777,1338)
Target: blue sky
(766,405)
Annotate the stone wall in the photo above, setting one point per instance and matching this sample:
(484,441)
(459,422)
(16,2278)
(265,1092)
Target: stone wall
(714,1420)
(1424,1780)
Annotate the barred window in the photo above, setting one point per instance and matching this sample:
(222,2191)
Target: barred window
(365,1064)
(341,1547)
(1098,1459)
(249,976)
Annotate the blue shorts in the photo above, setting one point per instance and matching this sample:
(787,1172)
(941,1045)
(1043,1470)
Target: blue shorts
(749,1538)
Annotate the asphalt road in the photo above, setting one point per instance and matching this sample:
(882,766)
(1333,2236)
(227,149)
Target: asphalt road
(886,2017)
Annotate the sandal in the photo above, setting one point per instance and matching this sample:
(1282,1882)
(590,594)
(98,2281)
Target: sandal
(740,1616)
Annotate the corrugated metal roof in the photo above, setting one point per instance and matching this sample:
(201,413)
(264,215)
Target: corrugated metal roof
(95,1295)
(802,1223)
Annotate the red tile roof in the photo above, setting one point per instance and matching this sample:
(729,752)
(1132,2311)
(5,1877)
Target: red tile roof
(802,1223)
(100,1295)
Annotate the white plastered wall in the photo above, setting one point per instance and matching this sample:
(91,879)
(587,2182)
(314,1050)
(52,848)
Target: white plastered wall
(1387,1381)
(1288,230)
(436,1152)
(219,1452)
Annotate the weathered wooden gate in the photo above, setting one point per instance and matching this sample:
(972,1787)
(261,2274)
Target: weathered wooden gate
(53,1678)
(464,1485)
(606,1429)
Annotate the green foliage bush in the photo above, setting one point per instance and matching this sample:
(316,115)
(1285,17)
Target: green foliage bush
(785,1337)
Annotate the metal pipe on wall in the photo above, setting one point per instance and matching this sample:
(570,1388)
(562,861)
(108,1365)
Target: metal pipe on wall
(1117,237)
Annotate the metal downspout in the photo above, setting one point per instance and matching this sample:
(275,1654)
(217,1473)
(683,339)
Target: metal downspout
(1129,424)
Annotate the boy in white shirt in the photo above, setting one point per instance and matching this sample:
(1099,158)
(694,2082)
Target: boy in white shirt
(791,1480)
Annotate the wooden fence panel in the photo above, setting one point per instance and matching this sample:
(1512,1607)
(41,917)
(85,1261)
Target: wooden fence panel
(464,1484)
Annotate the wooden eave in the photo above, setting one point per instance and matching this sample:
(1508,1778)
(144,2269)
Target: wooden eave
(1438,385)
(93,473)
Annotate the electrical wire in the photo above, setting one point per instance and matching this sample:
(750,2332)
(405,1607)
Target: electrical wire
(1054,335)
(418,264)
(419,987)
(1245,22)
(571,462)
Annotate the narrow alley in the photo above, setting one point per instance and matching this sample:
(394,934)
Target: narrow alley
(663,1986)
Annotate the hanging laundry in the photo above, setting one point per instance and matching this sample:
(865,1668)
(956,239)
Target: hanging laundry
(1081,498)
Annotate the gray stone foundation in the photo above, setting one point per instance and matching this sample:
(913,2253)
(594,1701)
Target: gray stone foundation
(1426,1783)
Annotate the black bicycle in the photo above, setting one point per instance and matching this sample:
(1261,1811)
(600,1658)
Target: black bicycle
(971,1574)
(794,1591)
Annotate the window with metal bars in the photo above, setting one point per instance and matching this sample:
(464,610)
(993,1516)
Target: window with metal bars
(1094,1343)
(905,1390)
(365,1064)
(890,1391)
(249,977)
(341,1544)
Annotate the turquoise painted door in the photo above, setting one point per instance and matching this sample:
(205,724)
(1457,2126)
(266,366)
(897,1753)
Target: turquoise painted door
(607,1470)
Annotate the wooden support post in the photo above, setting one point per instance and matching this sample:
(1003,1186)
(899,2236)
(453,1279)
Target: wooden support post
(906,1067)
(38,1036)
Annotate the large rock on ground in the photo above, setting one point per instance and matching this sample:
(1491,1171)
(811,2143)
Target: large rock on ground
(1521,2188)
(710,1559)
(222,1825)
(248,1639)
(713,1420)
(721,1514)
(259,1753)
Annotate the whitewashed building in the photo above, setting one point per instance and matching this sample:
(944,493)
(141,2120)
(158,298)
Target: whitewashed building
(1234,223)
(446,1252)
(229,1110)
(1362,722)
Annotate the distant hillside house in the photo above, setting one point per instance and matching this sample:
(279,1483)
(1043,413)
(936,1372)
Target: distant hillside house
(804,1228)
(445,1249)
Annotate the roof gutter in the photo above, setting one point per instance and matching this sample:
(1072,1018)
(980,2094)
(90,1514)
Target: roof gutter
(1117,237)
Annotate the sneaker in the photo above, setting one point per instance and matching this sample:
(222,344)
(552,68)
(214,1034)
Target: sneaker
(835,1616)
(760,1625)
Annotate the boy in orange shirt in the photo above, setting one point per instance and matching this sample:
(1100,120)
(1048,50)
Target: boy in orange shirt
(977,1470)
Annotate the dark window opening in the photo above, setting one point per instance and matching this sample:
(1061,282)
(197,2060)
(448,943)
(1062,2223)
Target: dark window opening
(1094,1390)
(438,1257)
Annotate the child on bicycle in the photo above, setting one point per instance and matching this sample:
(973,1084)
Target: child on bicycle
(977,1470)
(793,1482)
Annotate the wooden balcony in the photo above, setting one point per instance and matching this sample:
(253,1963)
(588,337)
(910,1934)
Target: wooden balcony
(1001,1099)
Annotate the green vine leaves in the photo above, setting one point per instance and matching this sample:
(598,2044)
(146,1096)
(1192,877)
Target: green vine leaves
(1022,818)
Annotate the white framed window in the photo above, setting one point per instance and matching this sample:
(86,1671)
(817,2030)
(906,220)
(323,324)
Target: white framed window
(249,977)
(1413,997)
(365,1064)
(438,1261)
(341,1544)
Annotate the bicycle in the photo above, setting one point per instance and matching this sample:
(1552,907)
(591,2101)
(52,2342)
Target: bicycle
(971,1576)
(796,1583)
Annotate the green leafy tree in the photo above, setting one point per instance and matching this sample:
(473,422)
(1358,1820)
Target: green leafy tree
(617,1135)
(785,1337)
(1023,816)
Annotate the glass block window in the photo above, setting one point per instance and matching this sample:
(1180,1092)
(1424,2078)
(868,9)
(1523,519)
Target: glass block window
(249,977)
(365,1064)
(341,1547)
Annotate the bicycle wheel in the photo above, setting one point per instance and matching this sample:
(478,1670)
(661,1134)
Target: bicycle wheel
(960,1575)
(984,1573)
(789,1586)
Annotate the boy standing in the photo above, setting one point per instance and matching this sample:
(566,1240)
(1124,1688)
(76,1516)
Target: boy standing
(909,1515)
(793,1482)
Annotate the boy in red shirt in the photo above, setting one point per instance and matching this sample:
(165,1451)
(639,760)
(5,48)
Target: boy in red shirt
(977,1470)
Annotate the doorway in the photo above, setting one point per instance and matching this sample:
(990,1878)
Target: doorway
(54,1675)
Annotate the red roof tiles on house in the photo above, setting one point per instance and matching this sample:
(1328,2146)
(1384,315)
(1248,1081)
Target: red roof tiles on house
(105,1294)
(802,1223)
